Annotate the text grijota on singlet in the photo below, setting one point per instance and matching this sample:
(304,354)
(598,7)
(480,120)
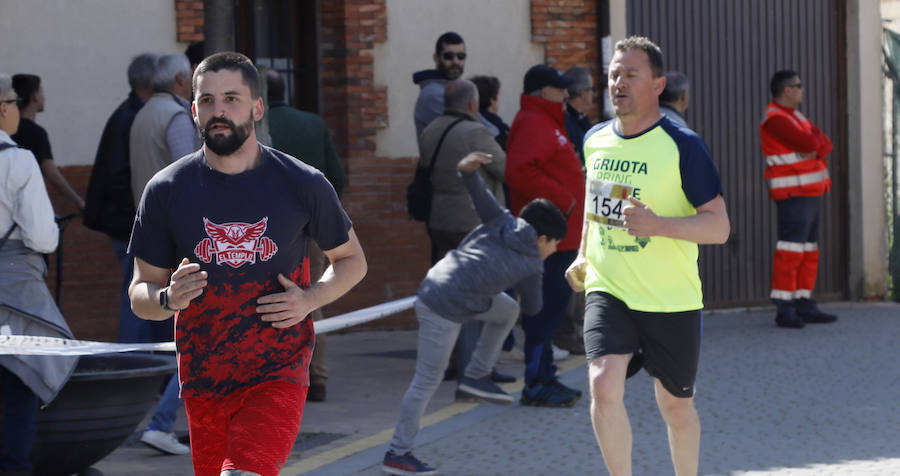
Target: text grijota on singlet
(620,171)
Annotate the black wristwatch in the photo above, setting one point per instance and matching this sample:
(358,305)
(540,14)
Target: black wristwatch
(164,299)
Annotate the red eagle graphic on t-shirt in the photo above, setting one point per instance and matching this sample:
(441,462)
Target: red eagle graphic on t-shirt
(235,243)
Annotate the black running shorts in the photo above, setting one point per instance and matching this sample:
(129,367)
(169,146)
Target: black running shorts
(670,341)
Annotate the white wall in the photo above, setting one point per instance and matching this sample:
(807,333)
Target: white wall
(868,237)
(498,43)
(81,50)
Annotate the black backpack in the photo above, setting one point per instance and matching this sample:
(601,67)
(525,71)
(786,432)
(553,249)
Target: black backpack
(419,192)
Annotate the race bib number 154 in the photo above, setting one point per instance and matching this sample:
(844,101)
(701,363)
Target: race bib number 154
(606,202)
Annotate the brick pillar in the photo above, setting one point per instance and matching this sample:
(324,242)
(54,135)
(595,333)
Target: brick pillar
(189,20)
(375,197)
(568,31)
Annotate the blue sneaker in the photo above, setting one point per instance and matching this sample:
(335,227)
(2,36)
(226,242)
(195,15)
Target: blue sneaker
(405,464)
(560,385)
(548,395)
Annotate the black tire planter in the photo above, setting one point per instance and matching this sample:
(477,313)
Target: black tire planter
(98,408)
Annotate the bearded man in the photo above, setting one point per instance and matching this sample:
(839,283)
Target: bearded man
(234,221)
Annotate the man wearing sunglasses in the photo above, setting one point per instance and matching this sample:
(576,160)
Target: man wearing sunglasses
(449,62)
(797,176)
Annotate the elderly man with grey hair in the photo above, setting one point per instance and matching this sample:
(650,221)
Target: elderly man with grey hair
(163,130)
(673,102)
(27,230)
(452,212)
(580,102)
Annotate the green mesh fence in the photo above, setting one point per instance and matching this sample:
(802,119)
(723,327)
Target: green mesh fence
(891,44)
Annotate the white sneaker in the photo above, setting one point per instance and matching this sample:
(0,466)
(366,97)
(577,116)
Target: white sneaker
(165,442)
(559,354)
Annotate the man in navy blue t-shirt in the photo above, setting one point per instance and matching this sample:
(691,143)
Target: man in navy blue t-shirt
(234,221)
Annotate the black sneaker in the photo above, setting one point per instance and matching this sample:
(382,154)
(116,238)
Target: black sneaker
(787,317)
(809,311)
(818,317)
(484,389)
(405,464)
(548,396)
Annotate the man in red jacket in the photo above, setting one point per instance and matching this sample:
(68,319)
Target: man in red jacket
(541,163)
(797,175)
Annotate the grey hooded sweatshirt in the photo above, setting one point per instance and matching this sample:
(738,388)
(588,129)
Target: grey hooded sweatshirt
(500,253)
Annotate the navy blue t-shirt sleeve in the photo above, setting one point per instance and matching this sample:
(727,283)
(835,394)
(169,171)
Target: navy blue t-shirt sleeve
(699,177)
(151,240)
(329,224)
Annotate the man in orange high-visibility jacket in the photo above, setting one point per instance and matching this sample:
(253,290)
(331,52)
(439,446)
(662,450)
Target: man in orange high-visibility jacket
(797,176)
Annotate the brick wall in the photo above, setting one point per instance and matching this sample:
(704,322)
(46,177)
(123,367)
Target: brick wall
(90,271)
(375,197)
(189,20)
(568,31)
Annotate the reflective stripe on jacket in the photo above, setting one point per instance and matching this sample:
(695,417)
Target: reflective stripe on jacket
(786,136)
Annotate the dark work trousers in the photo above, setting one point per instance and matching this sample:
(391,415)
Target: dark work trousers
(442,242)
(796,260)
(540,328)
(19,422)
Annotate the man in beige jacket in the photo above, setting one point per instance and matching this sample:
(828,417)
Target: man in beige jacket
(452,213)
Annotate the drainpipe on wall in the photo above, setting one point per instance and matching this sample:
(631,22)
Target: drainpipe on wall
(218,26)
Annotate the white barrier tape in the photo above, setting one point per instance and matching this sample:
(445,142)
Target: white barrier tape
(39,345)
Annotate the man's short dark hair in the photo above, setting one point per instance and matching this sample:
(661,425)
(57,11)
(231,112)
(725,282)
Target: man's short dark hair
(780,80)
(654,54)
(274,86)
(676,85)
(582,80)
(545,218)
(194,52)
(140,71)
(449,38)
(231,61)
(488,89)
(25,85)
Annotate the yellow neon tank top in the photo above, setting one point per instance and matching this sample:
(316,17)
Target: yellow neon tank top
(651,274)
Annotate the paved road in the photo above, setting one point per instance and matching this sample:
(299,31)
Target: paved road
(824,400)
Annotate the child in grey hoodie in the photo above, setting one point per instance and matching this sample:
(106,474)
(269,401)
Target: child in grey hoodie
(468,284)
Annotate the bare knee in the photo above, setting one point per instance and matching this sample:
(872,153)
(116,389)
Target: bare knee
(607,382)
(678,412)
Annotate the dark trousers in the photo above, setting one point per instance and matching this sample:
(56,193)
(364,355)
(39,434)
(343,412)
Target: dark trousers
(19,422)
(539,329)
(796,260)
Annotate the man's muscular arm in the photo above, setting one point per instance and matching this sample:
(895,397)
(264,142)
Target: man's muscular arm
(185,284)
(709,226)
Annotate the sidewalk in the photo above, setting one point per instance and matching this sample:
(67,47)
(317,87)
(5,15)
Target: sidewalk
(818,401)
